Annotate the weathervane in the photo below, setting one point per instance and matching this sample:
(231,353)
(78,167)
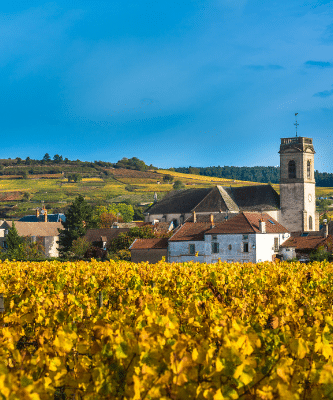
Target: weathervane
(296,124)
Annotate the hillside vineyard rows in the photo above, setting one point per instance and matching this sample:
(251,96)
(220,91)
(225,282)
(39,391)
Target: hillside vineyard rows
(119,330)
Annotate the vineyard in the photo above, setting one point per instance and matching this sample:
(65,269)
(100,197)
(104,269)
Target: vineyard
(119,330)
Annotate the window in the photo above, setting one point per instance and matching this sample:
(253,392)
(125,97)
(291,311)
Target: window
(309,170)
(4,245)
(214,237)
(292,169)
(272,222)
(215,247)
(230,247)
(192,249)
(310,223)
(245,247)
(245,237)
(276,244)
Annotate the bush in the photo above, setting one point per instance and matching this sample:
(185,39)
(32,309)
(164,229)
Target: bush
(178,185)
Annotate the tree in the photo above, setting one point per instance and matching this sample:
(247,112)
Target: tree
(80,246)
(167,178)
(178,185)
(13,239)
(26,196)
(74,177)
(57,158)
(78,220)
(47,157)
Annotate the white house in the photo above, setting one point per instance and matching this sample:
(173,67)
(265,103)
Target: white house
(245,237)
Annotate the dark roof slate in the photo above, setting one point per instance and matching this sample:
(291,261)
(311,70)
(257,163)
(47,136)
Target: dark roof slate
(242,198)
(179,201)
(254,198)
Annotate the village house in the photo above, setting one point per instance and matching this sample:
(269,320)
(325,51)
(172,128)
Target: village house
(47,233)
(245,237)
(301,244)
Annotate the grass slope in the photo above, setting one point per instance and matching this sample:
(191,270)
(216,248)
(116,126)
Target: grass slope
(121,185)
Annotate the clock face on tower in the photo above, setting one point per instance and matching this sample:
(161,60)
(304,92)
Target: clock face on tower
(310,197)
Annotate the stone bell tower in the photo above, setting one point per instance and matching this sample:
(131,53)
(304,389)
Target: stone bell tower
(297,185)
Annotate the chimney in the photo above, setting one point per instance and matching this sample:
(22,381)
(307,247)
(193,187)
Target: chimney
(194,216)
(37,212)
(262,226)
(44,213)
(212,221)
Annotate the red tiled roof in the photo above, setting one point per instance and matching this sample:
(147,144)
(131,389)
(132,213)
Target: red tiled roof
(144,244)
(191,231)
(308,242)
(247,222)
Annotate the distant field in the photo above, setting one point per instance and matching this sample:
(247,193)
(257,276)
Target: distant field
(21,196)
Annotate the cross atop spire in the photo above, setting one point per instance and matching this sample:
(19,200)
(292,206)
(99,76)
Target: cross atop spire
(296,124)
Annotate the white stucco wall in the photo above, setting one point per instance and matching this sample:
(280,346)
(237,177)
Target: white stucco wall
(180,251)
(260,248)
(288,253)
(265,245)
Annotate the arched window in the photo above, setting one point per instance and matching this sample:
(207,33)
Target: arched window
(310,223)
(292,169)
(309,170)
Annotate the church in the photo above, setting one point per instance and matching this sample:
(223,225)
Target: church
(294,207)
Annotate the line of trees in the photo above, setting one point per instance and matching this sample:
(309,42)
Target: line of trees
(252,174)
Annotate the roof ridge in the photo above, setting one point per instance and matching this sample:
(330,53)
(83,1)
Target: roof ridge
(230,203)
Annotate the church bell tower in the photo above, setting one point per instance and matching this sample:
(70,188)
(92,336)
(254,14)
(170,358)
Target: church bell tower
(297,185)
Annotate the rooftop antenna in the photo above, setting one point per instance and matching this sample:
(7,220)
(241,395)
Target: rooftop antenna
(296,124)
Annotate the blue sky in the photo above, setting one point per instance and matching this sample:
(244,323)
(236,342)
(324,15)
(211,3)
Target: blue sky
(176,83)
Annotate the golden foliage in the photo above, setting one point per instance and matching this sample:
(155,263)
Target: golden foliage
(119,330)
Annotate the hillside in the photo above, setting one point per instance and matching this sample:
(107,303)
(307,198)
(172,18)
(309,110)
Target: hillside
(20,197)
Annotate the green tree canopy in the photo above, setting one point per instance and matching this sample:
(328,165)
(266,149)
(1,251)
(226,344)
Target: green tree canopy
(13,239)
(178,185)
(78,220)
(167,178)
(46,157)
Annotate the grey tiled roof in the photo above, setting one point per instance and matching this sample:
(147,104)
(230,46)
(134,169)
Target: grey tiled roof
(255,198)
(218,199)
(179,201)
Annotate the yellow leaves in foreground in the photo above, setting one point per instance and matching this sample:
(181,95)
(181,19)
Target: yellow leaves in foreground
(183,331)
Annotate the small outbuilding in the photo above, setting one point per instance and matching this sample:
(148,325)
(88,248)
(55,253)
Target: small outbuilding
(151,250)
